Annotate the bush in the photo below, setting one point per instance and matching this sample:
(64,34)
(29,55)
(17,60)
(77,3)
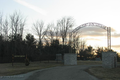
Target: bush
(27,62)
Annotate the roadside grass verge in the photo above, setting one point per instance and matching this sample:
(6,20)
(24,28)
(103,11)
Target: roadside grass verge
(6,69)
(87,62)
(105,73)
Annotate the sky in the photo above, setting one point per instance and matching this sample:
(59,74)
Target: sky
(106,12)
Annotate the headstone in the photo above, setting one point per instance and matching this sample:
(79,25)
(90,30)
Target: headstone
(58,57)
(70,59)
(109,59)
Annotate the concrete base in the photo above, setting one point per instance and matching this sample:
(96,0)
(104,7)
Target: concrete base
(70,59)
(109,59)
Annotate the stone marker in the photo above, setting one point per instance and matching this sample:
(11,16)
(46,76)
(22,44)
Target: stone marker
(70,59)
(109,59)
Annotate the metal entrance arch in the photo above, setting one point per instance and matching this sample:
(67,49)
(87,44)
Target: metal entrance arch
(108,29)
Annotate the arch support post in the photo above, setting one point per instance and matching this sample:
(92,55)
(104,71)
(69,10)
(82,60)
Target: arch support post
(109,38)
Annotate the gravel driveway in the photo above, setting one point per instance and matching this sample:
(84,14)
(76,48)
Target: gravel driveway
(56,73)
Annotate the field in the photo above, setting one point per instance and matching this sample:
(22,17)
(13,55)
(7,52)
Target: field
(19,68)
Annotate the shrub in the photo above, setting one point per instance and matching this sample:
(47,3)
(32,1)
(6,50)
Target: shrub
(27,62)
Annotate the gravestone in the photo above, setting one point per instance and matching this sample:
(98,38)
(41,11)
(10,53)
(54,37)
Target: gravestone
(109,59)
(58,57)
(70,59)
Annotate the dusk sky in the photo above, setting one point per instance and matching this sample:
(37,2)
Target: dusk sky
(106,12)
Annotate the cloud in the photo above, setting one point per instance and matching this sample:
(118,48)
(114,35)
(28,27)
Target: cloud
(35,8)
(94,32)
(97,29)
(116,46)
(113,30)
(116,35)
(93,39)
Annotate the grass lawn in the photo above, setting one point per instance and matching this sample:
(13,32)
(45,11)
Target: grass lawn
(19,68)
(105,73)
(6,69)
(88,62)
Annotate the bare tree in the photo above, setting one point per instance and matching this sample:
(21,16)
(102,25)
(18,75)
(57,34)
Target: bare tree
(21,28)
(74,41)
(83,44)
(17,23)
(79,43)
(50,33)
(57,32)
(38,28)
(1,23)
(65,24)
(5,29)
(53,32)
